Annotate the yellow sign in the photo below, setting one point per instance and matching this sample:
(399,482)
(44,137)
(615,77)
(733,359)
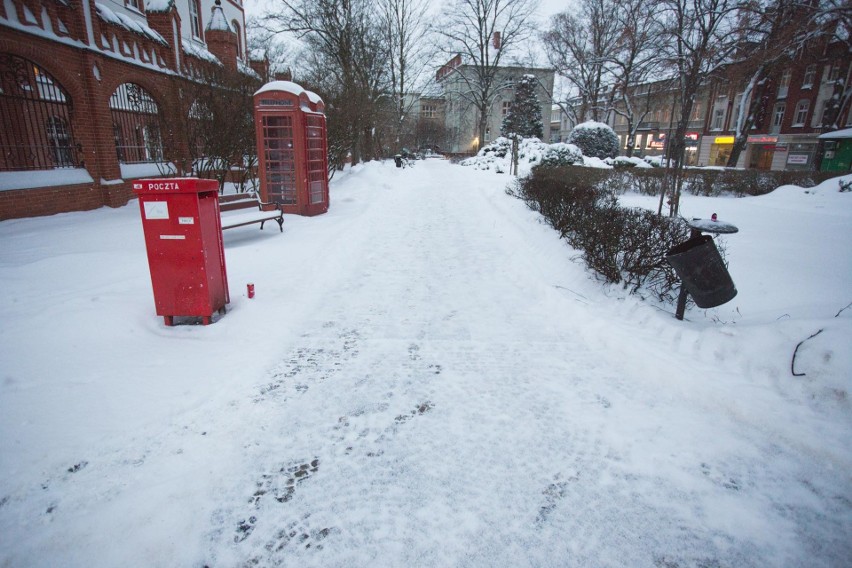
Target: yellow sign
(724,140)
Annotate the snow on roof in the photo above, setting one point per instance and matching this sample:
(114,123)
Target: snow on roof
(286,86)
(159,5)
(128,23)
(845,133)
(199,51)
(313,97)
(246,69)
(218,21)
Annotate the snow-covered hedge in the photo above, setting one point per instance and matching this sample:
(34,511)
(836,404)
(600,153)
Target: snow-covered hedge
(625,162)
(497,155)
(561,154)
(595,139)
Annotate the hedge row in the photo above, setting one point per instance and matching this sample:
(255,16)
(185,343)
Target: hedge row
(624,245)
(706,182)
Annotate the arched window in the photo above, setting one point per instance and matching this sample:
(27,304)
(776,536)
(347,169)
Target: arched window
(136,125)
(195,19)
(236,27)
(36,116)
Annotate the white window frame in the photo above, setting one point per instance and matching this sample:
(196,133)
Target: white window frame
(195,19)
(803,107)
(778,116)
(718,119)
(810,76)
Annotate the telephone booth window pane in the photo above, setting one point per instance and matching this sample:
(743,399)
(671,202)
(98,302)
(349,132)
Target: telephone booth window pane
(280,165)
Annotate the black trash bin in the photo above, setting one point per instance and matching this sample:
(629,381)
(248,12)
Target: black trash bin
(702,271)
(398,160)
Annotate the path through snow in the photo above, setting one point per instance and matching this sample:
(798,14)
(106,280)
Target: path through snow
(431,396)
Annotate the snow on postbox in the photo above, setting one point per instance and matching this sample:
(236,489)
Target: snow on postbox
(186,254)
(292,148)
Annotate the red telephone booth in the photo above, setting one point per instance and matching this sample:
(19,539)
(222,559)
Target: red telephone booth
(183,237)
(292,148)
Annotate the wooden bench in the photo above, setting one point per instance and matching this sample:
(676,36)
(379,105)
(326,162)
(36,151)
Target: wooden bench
(243,209)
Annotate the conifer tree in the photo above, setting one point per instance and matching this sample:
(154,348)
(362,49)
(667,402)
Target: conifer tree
(524,116)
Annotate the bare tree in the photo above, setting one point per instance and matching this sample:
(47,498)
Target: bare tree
(702,35)
(346,59)
(633,61)
(406,30)
(580,47)
(264,45)
(485,32)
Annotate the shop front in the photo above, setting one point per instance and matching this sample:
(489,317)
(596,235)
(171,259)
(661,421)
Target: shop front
(761,151)
(837,151)
(720,150)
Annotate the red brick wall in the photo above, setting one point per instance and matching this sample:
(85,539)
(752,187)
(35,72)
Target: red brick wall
(91,120)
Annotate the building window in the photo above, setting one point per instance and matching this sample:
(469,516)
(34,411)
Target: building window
(736,115)
(195,18)
(777,117)
(833,73)
(36,111)
(801,112)
(236,27)
(718,119)
(134,4)
(60,142)
(136,125)
(506,106)
(784,84)
(810,74)
(428,110)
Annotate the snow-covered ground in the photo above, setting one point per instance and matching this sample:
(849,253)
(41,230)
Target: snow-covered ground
(426,377)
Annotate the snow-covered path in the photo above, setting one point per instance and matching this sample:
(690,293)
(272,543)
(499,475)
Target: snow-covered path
(437,397)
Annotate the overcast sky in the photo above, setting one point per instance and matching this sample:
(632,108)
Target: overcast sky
(546,7)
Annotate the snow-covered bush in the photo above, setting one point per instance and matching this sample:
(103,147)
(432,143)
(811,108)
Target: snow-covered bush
(497,155)
(625,162)
(654,161)
(499,148)
(624,246)
(561,154)
(595,139)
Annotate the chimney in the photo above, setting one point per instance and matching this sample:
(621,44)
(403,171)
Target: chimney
(495,40)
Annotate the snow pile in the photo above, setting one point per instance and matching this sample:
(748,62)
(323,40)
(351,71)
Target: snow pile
(246,69)
(628,162)
(199,51)
(128,23)
(159,5)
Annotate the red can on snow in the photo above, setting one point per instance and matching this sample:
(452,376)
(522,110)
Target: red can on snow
(250,288)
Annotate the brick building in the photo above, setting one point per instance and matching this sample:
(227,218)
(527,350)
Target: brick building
(806,98)
(803,101)
(94,94)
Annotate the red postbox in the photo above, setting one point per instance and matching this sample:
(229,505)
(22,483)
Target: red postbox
(186,255)
(292,148)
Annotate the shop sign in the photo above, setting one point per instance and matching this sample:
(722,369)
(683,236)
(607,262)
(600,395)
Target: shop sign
(658,142)
(724,140)
(798,159)
(762,139)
